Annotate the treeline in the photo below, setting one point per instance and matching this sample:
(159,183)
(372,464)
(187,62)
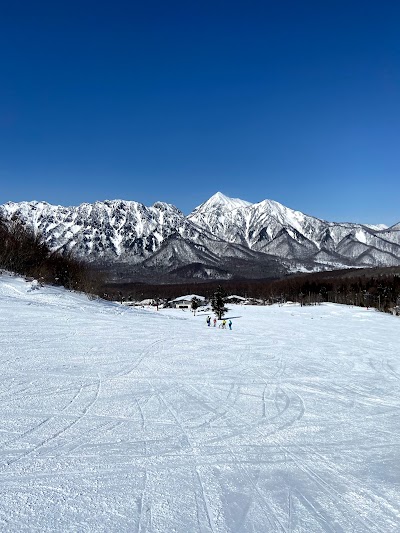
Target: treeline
(378,288)
(24,253)
(368,289)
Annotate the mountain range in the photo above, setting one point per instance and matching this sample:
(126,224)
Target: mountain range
(222,238)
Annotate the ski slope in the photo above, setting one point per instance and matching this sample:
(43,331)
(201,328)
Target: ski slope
(122,420)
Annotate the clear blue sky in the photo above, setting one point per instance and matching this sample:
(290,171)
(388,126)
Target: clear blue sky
(296,101)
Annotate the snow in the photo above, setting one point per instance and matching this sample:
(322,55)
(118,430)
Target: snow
(220,200)
(377,227)
(119,419)
(189,298)
(360,236)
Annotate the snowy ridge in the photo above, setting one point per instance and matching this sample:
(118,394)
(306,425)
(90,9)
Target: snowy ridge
(104,230)
(216,232)
(272,228)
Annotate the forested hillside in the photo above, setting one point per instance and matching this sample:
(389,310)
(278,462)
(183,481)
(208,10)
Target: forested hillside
(23,252)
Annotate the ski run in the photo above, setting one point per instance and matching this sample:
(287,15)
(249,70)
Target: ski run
(117,419)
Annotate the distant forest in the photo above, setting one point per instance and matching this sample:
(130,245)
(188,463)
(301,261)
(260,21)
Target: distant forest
(375,287)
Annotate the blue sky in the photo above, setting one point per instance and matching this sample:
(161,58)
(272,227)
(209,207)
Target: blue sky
(296,101)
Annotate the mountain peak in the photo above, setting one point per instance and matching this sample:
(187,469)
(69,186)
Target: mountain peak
(220,197)
(220,200)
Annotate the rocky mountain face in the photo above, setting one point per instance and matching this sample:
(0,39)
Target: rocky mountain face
(222,238)
(272,228)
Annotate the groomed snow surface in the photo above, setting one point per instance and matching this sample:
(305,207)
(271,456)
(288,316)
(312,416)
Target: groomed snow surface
(115,419)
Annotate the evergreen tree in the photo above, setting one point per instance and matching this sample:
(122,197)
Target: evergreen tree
(195,304)
(218,303)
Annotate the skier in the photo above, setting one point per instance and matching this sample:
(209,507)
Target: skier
(224,324)
(230,324)
(215,322)
(208,321)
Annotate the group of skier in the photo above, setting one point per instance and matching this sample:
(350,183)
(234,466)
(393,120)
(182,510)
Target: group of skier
(222,325)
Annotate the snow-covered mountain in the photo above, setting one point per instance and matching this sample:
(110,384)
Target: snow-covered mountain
(272,228)
(222,237)
(106,230)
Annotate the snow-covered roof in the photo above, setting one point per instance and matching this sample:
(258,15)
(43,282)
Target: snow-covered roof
(189,298)
(235,297)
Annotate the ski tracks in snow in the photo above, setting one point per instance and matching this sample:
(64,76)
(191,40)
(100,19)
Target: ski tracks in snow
(49,430)
(166,425)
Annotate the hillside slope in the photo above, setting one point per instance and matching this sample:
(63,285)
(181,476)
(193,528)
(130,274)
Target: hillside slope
(119,420)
